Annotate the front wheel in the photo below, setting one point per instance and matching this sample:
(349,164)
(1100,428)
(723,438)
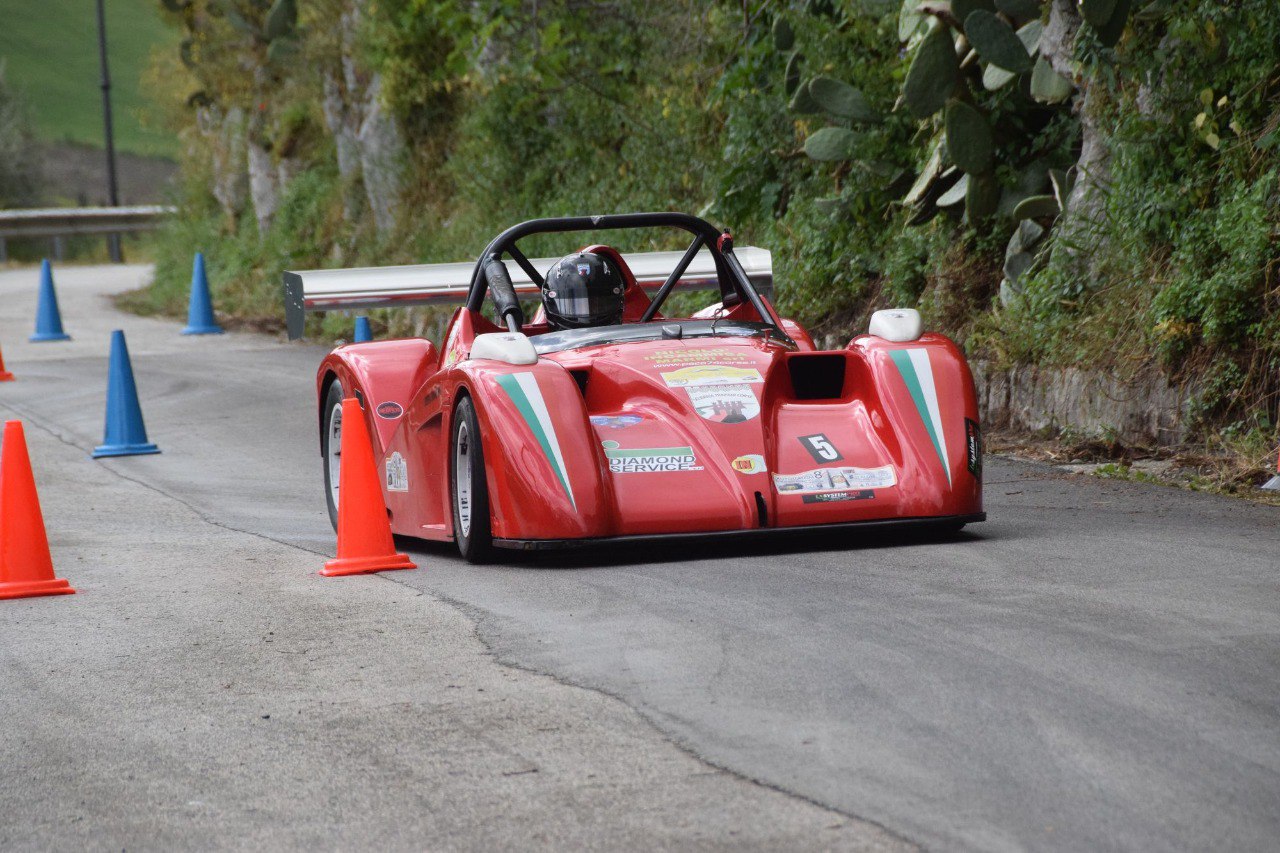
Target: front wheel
(472,526)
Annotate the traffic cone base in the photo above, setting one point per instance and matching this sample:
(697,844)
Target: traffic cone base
(26,567)
(123,450)
(364,565)
(364,532)
(31,589)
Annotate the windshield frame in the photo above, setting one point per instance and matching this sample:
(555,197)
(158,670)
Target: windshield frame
(566,340)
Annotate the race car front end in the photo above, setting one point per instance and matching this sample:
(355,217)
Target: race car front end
(727,436)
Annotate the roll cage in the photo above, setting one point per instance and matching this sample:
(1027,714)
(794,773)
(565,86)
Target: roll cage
(735,284)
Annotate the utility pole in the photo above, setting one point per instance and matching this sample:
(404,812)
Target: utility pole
(113,240)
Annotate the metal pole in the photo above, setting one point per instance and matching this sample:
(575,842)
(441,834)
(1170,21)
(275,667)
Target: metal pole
(113,240)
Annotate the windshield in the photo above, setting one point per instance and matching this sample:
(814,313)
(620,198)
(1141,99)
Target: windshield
(570,339)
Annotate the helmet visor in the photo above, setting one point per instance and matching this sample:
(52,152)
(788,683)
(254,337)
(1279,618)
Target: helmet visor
(585,289)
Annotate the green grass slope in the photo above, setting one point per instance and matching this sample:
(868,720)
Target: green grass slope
(51,54)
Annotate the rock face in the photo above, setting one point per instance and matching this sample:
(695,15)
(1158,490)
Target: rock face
(1143,410)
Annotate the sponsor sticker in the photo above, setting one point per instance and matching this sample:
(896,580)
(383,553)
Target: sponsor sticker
(711,374)
(684,355)
(389,410)
(752,463)
(836,497)
(649,460)
(615,421)
(724,404)
(820,448)
(397,473)
(973,445)
(835,480)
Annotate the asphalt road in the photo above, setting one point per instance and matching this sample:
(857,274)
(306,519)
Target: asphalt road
(1097,667)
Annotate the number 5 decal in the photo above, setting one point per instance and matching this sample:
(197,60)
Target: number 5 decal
(820,448)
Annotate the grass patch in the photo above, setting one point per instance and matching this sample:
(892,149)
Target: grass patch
(51,54)
(1232,462)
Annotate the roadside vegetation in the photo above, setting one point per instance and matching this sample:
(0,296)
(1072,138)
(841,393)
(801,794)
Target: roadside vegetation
(19,150)
(1092,183)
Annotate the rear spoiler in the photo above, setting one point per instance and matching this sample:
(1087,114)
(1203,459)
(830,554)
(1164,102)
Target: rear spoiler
(449,284)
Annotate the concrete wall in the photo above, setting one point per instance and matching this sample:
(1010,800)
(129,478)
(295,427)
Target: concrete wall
(1146,410)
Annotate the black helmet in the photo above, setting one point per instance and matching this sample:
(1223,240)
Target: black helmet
(583,289)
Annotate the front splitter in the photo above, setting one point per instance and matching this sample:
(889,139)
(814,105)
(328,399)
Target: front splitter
(878,525)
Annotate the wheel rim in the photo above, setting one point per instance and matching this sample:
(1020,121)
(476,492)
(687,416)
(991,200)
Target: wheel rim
(462,475)
(335,451)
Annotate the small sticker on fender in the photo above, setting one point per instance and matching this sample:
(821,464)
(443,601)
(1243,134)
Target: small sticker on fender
(397,473)
(711,374)
(615,421)
(390,410)
(837,497)
(973,446)
(724,404)
(820,448)
(835,480)
(649,460)
(752,463)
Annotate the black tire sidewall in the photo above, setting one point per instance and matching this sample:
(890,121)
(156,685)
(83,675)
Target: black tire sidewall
(478,546)
(332,398)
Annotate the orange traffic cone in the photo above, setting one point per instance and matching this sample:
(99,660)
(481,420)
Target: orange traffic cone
(26,568)
(5,376)
(364,534)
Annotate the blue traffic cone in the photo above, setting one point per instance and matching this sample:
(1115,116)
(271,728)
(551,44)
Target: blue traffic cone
(125,433)
(48,318)
(200,319)
(364,334)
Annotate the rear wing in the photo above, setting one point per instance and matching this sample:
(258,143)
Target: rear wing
(449,284)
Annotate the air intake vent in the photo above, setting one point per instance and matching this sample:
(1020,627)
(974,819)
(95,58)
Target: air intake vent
(762,510)
(817,377)
(581,377)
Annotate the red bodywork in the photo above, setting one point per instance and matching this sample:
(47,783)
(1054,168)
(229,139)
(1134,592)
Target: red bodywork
(614,447)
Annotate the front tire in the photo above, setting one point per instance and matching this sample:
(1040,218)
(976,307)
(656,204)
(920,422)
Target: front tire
(331,447)
(468,486)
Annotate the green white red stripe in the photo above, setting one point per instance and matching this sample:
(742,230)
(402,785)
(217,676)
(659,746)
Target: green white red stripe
(525,394)
(917,373)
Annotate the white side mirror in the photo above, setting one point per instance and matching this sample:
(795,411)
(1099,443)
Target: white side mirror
(504,346)
(896,324)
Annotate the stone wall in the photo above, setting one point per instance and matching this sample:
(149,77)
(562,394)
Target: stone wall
(1145,410)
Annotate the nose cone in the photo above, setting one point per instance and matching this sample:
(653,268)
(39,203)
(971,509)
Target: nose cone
(681,428)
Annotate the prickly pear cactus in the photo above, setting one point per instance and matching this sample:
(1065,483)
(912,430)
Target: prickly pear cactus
(934,73)
(981,90)
(968,138)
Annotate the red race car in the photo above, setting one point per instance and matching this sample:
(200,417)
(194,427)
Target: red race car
(602,419)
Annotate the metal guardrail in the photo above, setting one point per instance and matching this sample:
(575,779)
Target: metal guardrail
(62,222)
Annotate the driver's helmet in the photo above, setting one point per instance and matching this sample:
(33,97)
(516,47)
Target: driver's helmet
(583,289)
